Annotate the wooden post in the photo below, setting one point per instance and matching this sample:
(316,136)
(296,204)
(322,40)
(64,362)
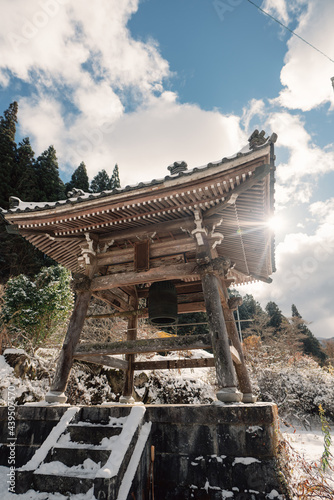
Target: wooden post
(83,296)
(241,369)
(127,396)
(226,376)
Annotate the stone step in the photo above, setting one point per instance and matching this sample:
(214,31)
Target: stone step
(77,455)
(64,484)
(92,434)
(101,414)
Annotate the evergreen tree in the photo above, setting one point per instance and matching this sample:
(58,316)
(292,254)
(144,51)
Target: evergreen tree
(275,315)
(51,187)
(114,179)
(9,120)
(100,182)
(248,310)
(79,179)
(25,179)
(311,345)
(7,153)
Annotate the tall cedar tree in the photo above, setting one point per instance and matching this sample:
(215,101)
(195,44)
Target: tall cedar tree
(27,185)
(7,153)
(79,179)
(18,177)
(114,182)
(51,187)
(311,344)
(100,182)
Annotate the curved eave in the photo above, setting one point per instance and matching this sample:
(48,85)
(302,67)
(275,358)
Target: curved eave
(58,231)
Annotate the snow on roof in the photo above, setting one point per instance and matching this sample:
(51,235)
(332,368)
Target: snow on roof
(257,141)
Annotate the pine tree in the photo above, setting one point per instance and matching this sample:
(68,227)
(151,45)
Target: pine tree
(79,179)
(275,315)
(114,182)
(311,345)
(100,182)
(7,153)
(51,187)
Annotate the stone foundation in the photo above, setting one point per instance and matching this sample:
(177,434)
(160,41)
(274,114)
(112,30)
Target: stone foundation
(200,451)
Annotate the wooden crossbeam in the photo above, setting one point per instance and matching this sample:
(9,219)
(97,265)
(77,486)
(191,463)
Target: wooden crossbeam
(143,313)
(171,364)
(162,273)
(100,353)
(98,359)
(184,343)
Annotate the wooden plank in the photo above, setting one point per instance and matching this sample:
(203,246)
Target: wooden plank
(184,343)
(120,364)
(161,273)
(142,256)
(171,364)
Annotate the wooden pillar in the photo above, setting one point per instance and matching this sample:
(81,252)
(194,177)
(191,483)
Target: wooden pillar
(83,296)
(127,396)
(241,369)
(226,376)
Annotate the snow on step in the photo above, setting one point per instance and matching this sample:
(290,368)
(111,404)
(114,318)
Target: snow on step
(117,455)
(86,470)
(50,441)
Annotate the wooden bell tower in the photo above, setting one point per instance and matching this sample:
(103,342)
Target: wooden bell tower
(202,230)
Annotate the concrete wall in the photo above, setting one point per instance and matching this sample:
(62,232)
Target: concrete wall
(201,451)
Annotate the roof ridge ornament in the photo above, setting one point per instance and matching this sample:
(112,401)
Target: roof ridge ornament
(75,193)
(258,139)
(177,167)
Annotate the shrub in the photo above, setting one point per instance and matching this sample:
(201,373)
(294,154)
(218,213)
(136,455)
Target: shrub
(33,311)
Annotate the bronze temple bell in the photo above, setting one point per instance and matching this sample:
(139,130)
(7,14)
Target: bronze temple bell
(162,303)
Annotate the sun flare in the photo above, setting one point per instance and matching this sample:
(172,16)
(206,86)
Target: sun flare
(275,223)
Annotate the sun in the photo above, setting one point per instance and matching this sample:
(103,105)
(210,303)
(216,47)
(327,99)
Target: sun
(275,223)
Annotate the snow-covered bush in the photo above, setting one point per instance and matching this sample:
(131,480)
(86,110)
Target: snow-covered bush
(32,311)
(296,383)
(179,387)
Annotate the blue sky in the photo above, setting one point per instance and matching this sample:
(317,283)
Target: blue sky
(145,83)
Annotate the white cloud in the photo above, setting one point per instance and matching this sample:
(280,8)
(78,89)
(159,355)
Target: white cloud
(41,118)
(277,8)
(306,73)
(146,141)
(297,179)
(255,108)
(69,42)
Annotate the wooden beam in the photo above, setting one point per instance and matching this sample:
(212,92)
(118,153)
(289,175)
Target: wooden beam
(120,364)
(113,299)
(147,230)
(157,249)
(184,343)
(143,313)
(259,173)
(162,273)
(171,364)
